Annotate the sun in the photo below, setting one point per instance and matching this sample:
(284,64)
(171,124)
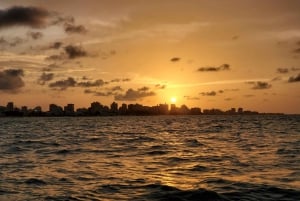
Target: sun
(173,99)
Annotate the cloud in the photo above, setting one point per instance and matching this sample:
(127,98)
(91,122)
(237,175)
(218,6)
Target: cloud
(97,93)
(45,77)
(12,42)
(71,28)
(120,80)
(297,50)
(75,51)
(11,79)
(33,17)
(295,69)
(63,84)
(116,88)
(260,85)
(276,79)
(249,96)
(214,69)
(126,80)
(175,59)
(235,37)
(96,83)
(211,93)
(294,79)
(160,86)
(282,70)
(56,45)
(35,35)
(70,52)
(191,98)
(133,95)
(54,57)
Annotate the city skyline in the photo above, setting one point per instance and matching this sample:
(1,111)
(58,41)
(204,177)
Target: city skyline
(201,53)
(98,109)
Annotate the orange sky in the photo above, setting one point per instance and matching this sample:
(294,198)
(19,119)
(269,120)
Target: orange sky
(206,53)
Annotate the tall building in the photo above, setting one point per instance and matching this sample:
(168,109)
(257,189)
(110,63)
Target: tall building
(114,107)
(10,107)
(55,110)
(69,109)
(240,110)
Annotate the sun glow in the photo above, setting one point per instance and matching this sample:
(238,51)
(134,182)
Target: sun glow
(173,99)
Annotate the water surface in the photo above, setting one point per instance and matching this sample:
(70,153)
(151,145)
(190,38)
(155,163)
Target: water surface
(150,158)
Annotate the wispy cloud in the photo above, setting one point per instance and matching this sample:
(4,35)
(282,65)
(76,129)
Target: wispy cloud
(214,69)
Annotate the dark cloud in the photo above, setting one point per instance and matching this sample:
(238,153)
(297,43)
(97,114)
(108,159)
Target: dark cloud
(297,50)
(56,45)
(175,59)
(214,69)
(71,28)
(24,16)
(11,79)
(260,85)
(35,35)
(45,77)
(282,70)
(133,95)
(63,84)
(295,78)
(211,93)
(96,83)
(74,52)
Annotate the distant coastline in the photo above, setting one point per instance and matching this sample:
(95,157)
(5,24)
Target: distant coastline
(97,109)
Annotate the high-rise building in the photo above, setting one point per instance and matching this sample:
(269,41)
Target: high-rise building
(114,107)
(69,109)
(10,106)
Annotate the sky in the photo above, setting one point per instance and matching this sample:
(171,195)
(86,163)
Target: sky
(203,53)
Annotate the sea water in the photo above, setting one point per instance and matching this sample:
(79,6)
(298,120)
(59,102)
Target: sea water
(177,158)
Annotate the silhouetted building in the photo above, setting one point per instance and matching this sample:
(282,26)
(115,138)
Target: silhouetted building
(69,110)
(55,110)
(240,110)
(24,110)
(114,107)
(163,109)
(195,111)
(123,109)
(96,108)
(10,107)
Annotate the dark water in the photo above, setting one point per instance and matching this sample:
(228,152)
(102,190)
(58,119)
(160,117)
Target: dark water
(177,158)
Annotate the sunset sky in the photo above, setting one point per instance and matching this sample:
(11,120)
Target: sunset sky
(206,53)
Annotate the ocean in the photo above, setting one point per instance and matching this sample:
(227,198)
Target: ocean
(147,158)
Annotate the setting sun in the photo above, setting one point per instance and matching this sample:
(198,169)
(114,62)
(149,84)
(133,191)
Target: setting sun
(173,99)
